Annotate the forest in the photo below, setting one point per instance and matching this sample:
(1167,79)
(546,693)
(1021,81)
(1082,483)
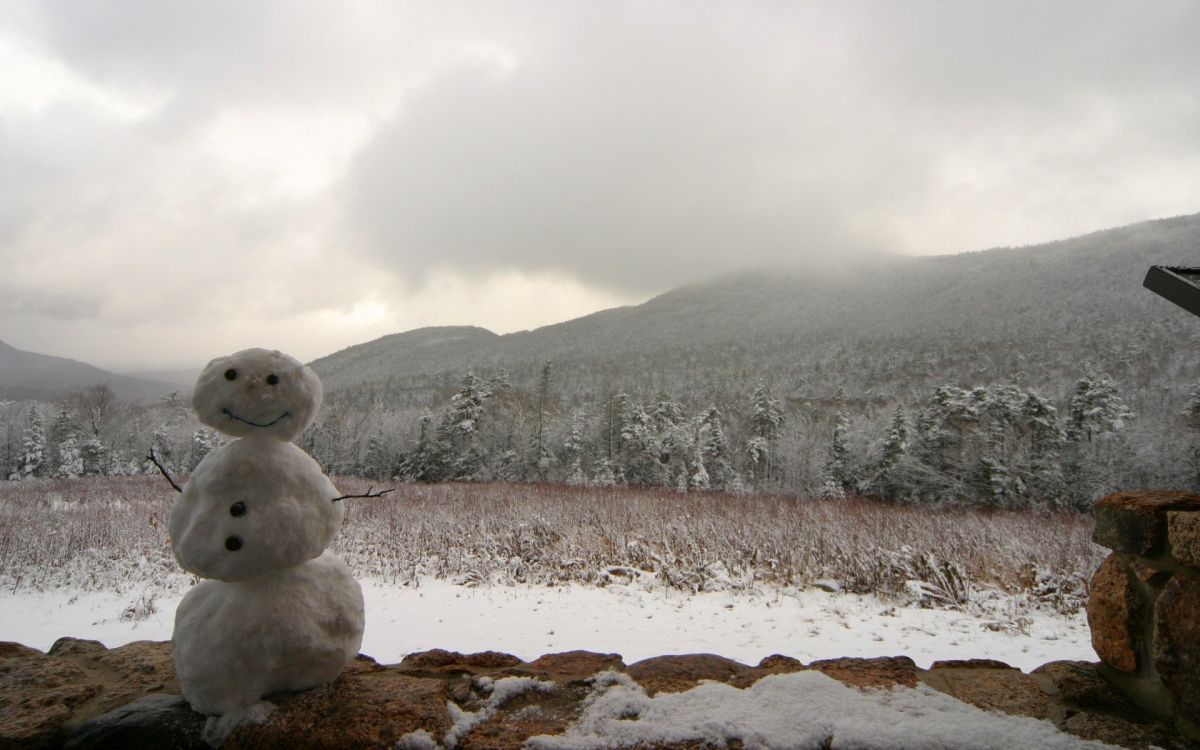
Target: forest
(998,446)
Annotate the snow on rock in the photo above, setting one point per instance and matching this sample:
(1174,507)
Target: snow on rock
(500,692)
(799,711)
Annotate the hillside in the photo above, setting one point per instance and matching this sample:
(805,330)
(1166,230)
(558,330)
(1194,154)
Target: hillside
(882,331)
(28,375)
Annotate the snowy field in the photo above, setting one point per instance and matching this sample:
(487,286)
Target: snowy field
(528,621)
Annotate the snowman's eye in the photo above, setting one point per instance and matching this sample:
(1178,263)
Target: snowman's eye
(237,509)
(272,379)
(233,543)
(231,374)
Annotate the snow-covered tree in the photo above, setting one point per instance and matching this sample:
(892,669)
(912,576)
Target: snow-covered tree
(766,418)
(70,458)
(94,457)
(1096,408)
(838,474)
(204,441)
(33,444)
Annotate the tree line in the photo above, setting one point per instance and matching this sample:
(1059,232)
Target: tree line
(999,446)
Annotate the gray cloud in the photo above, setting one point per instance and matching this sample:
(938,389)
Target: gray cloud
(630,147)
(640,148)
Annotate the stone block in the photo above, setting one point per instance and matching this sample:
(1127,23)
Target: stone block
(1135,522)
(1177,641)
(675,674)
(155,722)
(1183,536)
(992,686)
(1114,612)
(39,694)
(884,671)
(361,709)
(1079,685)
(574,665)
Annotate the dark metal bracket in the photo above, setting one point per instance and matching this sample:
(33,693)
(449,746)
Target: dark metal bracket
(1177,284)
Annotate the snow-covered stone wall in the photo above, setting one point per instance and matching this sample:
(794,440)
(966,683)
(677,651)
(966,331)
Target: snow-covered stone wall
(1144,605)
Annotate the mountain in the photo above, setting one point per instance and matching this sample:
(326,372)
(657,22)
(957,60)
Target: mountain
(886,329)
(28,375)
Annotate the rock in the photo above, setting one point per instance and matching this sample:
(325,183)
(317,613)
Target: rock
(39,694)
(364,708)
(1134,522)
(1114,613)
(884,671)
(1177,641)
(990,685)
(439,660)
(575,665)
(131,671)
(1122,732)
(76,647)
(674,674)
(1079,686)
(1183,537)
(780,664)
(8,649)
(970,664)
(155,722)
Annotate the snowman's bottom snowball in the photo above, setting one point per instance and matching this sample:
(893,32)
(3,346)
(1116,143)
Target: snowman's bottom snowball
(286,631)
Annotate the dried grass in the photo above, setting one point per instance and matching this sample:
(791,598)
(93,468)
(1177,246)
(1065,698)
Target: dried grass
(110,532)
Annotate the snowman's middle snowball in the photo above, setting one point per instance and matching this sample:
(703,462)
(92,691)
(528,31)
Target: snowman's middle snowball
(254,506)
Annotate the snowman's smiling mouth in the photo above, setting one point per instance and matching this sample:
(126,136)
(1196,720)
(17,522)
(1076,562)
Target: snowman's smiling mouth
(281,417)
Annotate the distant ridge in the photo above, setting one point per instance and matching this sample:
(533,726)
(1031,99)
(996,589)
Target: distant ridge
(31,376)
(887,328)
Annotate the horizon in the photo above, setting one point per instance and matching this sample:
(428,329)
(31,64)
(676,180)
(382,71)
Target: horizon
(191,179)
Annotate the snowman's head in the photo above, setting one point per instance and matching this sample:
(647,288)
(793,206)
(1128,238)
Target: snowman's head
(257,392)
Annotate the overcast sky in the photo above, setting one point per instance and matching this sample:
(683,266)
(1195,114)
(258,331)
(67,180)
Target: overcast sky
(179,180)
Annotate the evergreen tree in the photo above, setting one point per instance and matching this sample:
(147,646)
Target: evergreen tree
(421,463)
(838,475)
(203,442)
(543,458)
(70,458)
(576,448)
(765,420)
(714,450)
(94,457)
(33,446)
(1096,409)
(61,429)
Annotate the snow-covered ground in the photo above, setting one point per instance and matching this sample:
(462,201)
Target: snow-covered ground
(529,621)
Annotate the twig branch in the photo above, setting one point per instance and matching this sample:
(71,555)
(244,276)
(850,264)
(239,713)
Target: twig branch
(154,459)
(368,493)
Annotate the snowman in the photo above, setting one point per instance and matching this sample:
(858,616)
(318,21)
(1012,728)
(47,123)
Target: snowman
(278,612)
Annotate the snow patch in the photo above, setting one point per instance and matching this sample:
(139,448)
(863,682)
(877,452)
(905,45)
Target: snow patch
(800,711)
(500,692)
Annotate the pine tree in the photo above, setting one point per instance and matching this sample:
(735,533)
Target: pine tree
(575,448)
(94,457)
(839,478)
(203,442)
(61,429)
(70,458)
(543,458)
(765,421)
(714,450)
(33,445)
(1096,409)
